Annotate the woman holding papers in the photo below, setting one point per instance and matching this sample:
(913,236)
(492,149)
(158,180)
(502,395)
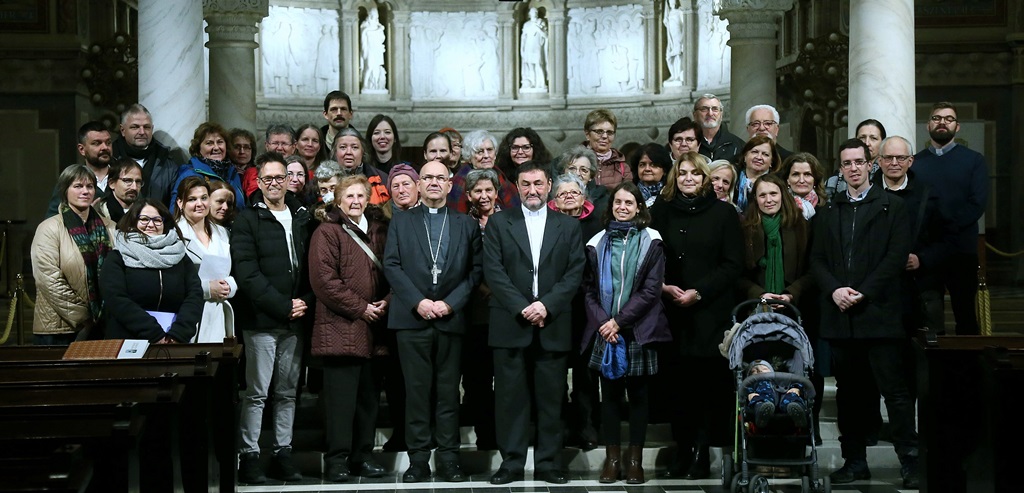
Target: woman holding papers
(206,244)
(150,287)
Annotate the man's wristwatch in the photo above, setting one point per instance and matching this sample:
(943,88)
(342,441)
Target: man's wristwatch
(696,295)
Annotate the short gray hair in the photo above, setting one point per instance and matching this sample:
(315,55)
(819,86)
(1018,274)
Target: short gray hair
(327,170)
(567,178)
(752,109)
(707,95)
(135,109)
(280,129)
(910,147)
(575,153)
(477,175)
(475,140)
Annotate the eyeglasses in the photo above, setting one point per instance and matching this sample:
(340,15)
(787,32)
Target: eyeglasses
(278,143)
(441,179)
(710,109)
(267,180)
(683,140)
(523,148)
(765,124)
(940,119)
(296,174)
(156,220)
(899,159)
(129,182)
(569,193)
(858,162)
(603,133)
(579,170)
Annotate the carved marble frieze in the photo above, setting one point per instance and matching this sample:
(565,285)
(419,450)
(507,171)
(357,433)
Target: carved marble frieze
(299,52)
(606,51)
(967,69)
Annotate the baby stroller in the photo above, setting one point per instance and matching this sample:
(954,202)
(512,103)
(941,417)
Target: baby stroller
(771,336)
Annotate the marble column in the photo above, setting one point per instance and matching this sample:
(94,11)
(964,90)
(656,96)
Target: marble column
(882,81)
(753,27)
(171,69)
(557,82)
(399,77)
(652,46)
(508,51)
(349,53)
(232,26)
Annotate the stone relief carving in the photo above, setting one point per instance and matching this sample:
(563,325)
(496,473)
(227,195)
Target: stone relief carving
(714,56)
(605,51)
(454,55)
(675,27)
(299,51)
(533,53)
(371,61)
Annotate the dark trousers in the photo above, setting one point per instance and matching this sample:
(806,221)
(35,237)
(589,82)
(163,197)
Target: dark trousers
(961,280)
(614,392)
(585,402)
(430,363)
(860,366)
(513,399)
(478,385)
(388,377)
(350,410)
(710,421)
(53,339)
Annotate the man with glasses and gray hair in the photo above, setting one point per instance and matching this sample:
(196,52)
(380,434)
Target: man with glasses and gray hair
(715,141)
(861,247)
(959,177)
(764,120)
(280,138)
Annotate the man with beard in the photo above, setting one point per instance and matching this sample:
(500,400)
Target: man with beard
(715,141)
(533,263)
(338,113)
(126,182)
(136,142)
(432,262)
(959,177)
(94,147)
(764,120)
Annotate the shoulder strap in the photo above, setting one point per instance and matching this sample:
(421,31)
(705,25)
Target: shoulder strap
(359,241)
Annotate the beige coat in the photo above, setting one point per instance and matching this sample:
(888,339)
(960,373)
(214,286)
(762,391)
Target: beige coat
(62,290)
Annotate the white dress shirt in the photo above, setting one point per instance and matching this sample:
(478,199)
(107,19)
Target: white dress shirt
(535,221)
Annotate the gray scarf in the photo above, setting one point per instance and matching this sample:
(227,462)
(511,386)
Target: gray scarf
(150,252)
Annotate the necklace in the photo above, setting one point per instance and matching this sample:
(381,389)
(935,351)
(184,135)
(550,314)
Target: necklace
(434,271)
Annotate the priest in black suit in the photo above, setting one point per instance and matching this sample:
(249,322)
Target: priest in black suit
(533,263)
(432,261)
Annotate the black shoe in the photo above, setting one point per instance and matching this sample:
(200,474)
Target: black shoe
(337,473)
(763,414)
(553,477)
(909,474)
(505,476)
(417,472)
(853,470)
(681,464)
(451,472)
(701,467)
(249,469)
(395,444)
(282,467)
(369,469)
(798,413)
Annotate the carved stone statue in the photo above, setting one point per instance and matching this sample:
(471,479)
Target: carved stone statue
(371,44)
(532,44)
(674,21)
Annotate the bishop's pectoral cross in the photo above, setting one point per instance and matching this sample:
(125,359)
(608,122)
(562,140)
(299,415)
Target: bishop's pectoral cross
(434,271)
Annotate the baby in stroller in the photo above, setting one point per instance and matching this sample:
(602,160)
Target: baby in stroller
(764,399)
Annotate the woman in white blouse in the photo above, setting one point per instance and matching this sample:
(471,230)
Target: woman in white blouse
(205,240)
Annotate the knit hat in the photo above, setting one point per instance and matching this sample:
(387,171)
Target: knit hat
(402,169)
(761,362)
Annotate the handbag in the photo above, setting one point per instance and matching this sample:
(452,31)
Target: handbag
(614,361)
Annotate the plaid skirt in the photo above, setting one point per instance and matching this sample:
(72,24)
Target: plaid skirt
(641,360)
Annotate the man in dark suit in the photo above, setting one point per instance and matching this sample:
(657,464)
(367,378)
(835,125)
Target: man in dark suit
(432,261)
(533,263)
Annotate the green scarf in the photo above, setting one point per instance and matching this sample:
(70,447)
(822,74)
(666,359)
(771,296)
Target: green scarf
(94,244)
(774,274)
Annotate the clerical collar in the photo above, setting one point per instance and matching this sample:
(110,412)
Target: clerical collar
(938,151)
(432,210)
(537,213)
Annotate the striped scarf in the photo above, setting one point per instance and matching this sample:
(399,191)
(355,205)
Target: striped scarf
(94,244)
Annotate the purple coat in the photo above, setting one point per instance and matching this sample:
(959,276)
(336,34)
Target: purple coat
(643,312)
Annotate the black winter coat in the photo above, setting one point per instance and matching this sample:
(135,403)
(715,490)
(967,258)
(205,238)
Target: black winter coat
(877,241)
(703,251)
(267,283)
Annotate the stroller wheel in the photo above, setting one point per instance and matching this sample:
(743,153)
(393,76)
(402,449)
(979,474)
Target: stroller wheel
(727,469)
(735,487)
(805,485)
(759,484)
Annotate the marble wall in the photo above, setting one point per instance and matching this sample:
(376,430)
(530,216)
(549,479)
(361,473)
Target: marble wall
(298,53)
(606,51)
(454,55)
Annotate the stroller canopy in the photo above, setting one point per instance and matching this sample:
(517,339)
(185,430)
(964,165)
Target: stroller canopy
(771,326)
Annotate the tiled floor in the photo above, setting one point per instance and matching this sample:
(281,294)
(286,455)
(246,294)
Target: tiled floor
(885,479)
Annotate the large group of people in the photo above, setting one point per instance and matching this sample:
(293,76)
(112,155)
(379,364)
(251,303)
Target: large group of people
(495,266)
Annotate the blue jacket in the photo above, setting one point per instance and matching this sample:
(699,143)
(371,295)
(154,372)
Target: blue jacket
(196,167)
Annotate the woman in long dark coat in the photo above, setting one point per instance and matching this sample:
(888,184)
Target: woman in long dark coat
(704,258)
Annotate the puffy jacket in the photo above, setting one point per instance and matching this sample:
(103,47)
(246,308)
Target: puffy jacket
(62,299)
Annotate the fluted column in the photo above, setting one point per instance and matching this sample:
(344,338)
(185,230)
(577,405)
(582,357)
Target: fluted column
(753,25)
(400,78)
(232,26)
(508,51)
(349,51)
(653,48)
(171,68)
(556,60)
(882,87)
(1016,41)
